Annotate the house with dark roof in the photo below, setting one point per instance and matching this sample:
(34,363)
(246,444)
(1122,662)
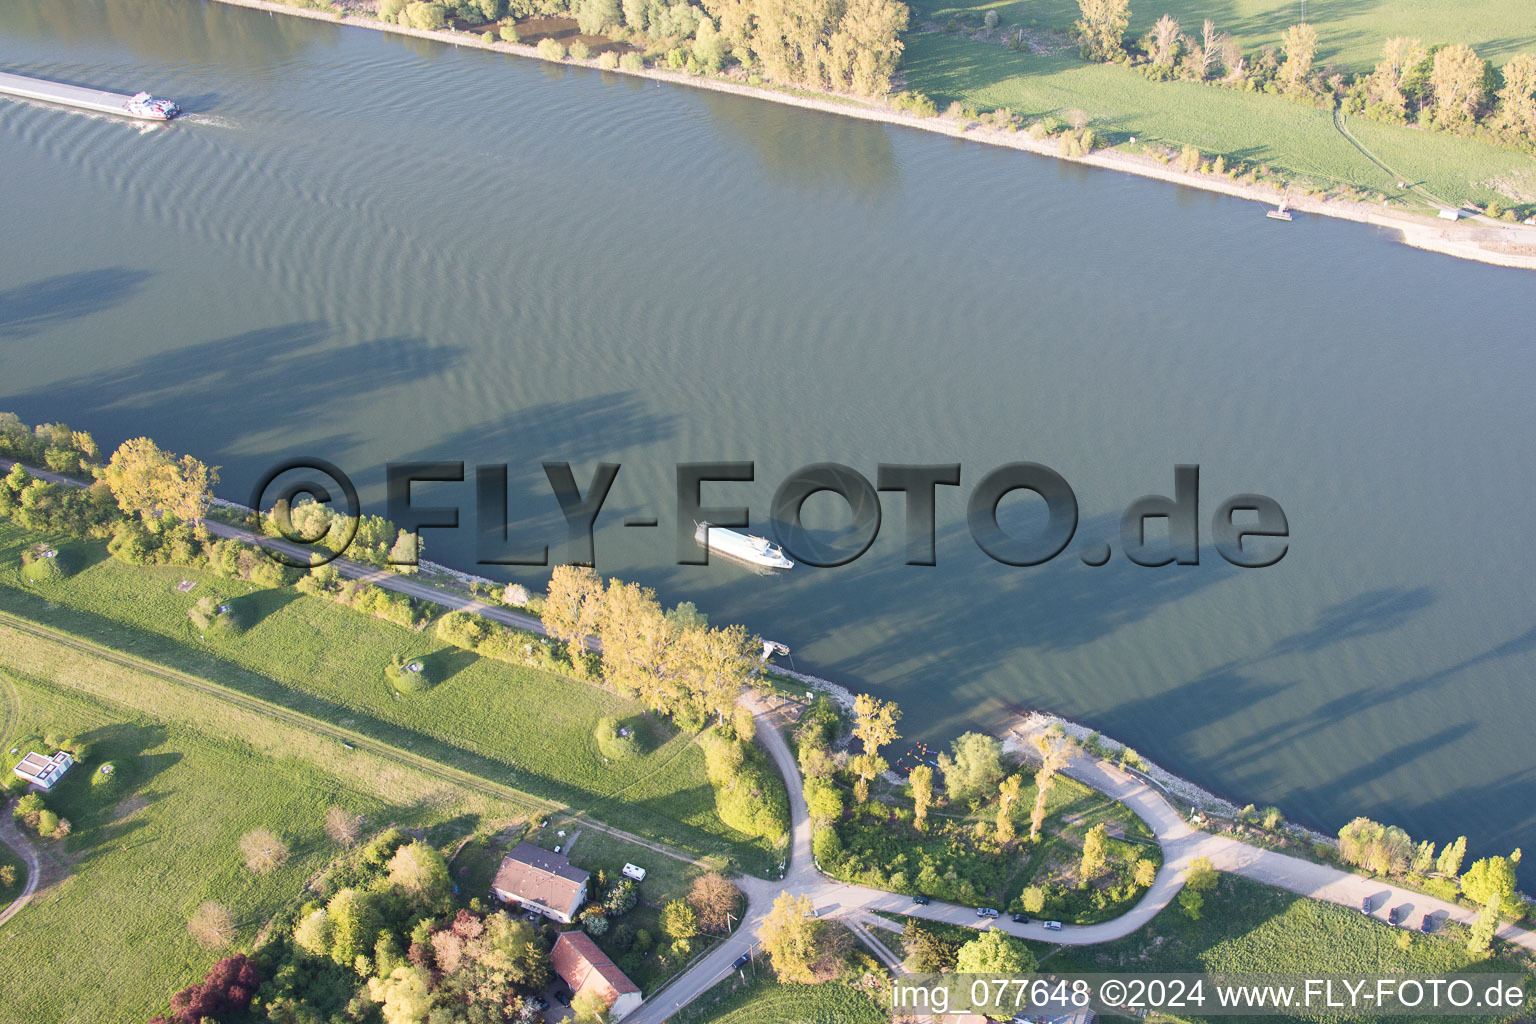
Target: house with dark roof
(44,772)
(585,968)
(543,882)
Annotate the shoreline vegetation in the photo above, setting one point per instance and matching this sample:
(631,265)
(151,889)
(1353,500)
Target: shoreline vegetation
(1474,237)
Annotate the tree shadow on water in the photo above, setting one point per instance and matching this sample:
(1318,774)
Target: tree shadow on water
(231,387)
(30,308)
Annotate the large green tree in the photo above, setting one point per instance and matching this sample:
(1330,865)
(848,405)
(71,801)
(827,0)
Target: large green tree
(1101,28)
(1095,853)
(1300,46)
(592,16)
(790,937)
(995,952)
(1517,97)
(975,768)
(921,780)
(1490,878)
(1459,79)
(152,483)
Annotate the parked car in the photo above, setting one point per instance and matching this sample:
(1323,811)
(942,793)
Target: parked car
(1428,924)
(986,912)
(1051,926)
(741,961)
(1396,915)
(564,996)
(1365,905)
(1021,919)
(538,1002)
(921,901)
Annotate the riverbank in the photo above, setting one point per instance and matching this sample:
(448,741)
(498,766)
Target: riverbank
(1478,238)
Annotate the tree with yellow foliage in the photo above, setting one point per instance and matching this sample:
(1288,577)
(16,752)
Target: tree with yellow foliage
(153,483)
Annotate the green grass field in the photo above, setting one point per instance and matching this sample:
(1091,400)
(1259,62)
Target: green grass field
(1297,140)
(1350,32)
(1246,927)
(765,1000)
(109,940)
(522,727)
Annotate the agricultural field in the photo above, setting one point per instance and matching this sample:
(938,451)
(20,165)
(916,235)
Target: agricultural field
(1298,141)
(522,727)
(763,999)
(106,938)
(1350,34)
(1245,927)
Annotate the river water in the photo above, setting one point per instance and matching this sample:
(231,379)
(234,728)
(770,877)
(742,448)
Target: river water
(373,249)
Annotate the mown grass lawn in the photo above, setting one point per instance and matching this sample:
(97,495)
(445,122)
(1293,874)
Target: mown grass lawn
(1350,32)
(1245,927)
(765,1000)
(523,727)
(1298,140)
(109,941)
(665,877)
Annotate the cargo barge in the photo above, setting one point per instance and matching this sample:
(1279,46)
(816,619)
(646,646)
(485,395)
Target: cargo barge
(141,106)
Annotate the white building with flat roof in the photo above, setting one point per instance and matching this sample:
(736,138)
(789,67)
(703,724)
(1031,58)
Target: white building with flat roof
(44,772)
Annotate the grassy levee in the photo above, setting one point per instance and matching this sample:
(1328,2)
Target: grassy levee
(1349,34)
(148,850)
(522,728)
(1297,140)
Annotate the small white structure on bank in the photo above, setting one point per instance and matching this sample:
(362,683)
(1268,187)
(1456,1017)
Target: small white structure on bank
(44,772)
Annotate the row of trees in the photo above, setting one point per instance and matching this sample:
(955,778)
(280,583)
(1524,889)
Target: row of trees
(673,661)
(1386,849)
(52,445)
(841,45)
(373,540)
(148,503)
(1449,86)
(1443,86)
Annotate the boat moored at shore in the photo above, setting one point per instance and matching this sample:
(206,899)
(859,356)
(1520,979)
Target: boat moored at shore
(743,547)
